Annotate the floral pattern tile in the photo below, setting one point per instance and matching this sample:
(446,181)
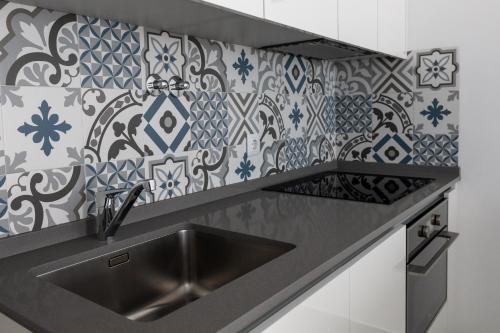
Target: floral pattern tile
(353,147)
(171,174)
(392,114)
(271,72)
(315,77)
(208,168)
(243,117)
(436,68)
(206,70)
(43,130)
(436,150)
(124,124)
(272,115)
(242,167)
(38,47)
(4,215)
(353,77)
(209,118)
(110,53)
(296,116)
(40,199)
(436,112)
(242,64)
(321,149)
(274,159)
(164,55)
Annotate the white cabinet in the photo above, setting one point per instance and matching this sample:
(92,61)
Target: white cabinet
(358,22)
(368,297)
(392,20)
(316,16)
(251,7)
(326,310)
(378,288)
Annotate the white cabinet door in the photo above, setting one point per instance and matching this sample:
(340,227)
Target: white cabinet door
(316,16)
(378,288)
(251,7)
(358,22)
(325,311)
(392,27)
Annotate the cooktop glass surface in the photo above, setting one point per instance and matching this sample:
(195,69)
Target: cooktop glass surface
(380,189)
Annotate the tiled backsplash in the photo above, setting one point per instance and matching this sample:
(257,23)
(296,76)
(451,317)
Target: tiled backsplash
(75,120)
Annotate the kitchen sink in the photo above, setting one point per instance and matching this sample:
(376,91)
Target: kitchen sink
(147,281)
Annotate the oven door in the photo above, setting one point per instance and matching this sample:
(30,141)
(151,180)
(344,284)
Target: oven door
(426,283)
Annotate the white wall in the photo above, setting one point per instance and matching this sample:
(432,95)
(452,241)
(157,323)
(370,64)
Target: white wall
(473,26)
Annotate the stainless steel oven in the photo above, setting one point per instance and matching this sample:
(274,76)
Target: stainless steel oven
(428,240)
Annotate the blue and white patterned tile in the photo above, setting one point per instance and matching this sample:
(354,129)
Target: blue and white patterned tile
(164,55)
(328,114)
(393,75)
(242,167)
(295,72)
(435,150)
(40,199)
(171,174)
(42,129)
(123,124)
(105,176)
(392,113)
(315,77)
(436,112)
(271,72)
(110,53)
(353,113)
(296,117)
(243,117)
(4,214)
(353,77)
(38,47)
(206,70)
(436,69)
(296,153)
(353,147)
(242,65)
(389,147)
(315,106)
(271,110)
(210,121)
(208,168)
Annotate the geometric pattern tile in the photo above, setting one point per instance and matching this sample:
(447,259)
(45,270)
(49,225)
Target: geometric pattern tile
(393,75)
(437,68)
(164,55)
(393,148)
(328,114)
(171,175)
(436,150)
(209,118)
(110,53)
(315,105)
(295,74)
(296,153)
(242,117)
(353,114)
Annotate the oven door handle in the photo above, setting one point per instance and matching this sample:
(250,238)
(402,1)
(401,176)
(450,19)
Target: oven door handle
(423,269)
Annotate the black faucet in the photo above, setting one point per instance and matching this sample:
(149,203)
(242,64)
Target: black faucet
(108,219)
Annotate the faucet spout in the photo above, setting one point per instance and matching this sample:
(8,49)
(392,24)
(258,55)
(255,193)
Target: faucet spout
(110,220)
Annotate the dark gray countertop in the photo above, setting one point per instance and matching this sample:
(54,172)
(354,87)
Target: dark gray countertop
(326,233)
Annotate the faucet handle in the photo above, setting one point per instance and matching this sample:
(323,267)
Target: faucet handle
(104,198)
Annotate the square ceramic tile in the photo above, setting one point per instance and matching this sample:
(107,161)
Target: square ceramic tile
(436,150)
(436,112)
(105,176)
(436,69)
(296,153)
(354,77)
(393,75)
(294,68)
(40,199)
(242,167)
(327,114)
(389,147)
(353,113)
(39,47)
(209,117)
(295,116)
(272,114)
(123,124)
(206,70)
(392,113)
(353,147)
(274,159)
(329,76)
(243,117)
(110,53)
(315,77)
(171,174)
(164,55)
(208,168)
(271,72)
(42,129)
(320,149)
(242,65)
(315,106)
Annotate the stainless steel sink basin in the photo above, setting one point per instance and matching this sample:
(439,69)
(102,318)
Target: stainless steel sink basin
(147,281)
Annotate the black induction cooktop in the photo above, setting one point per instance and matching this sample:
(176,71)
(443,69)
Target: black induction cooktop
(381,189)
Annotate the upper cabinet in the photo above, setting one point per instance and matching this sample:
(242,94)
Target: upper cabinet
(358,23)
(251,7)
(316,16)
(392,16)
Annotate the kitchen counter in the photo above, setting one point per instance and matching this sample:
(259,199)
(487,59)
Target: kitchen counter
(326,233)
